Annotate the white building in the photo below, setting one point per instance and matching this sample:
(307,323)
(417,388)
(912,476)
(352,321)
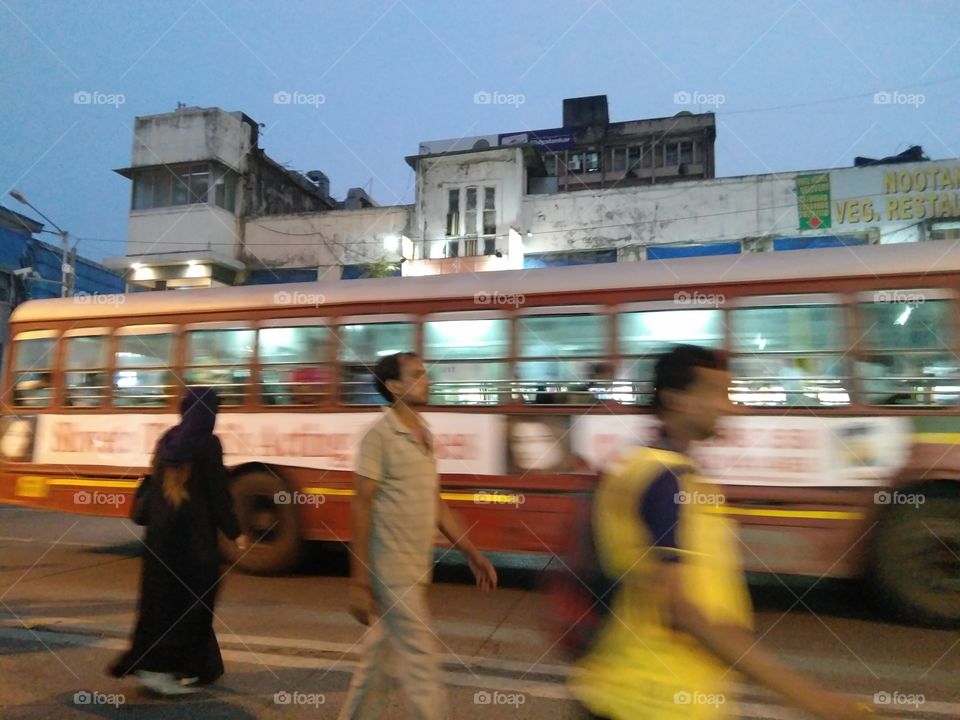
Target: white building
(490,202)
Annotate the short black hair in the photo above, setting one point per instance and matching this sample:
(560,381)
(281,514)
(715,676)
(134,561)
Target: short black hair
(676,369)
(388,368)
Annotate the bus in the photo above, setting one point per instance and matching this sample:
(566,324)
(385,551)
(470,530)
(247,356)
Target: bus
(841,458)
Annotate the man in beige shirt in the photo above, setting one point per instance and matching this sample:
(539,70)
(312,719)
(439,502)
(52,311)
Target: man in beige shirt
(394,517)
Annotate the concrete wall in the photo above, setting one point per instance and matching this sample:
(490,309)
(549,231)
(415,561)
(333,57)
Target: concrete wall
(337,237)
(182,228)
(191,134)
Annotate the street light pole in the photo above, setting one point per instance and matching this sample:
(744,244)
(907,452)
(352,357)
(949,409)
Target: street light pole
(67,269)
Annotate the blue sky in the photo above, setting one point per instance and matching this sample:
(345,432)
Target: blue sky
(792,83)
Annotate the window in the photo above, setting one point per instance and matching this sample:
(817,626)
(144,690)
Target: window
(671,154)
(908,356)
(293,365)
(180,185)
(618,159)
(220,358)
(225,190)
(470,212)
(489,211)
(453,212)
(559,355)
(361,346)
(86,370)
(453,248)
(789,354)
(649,150)
(550,162)
(575,162)
(592,161)
(466,360)
(489,246)
(686,152)
(143,375)
(33,369)
(645,335)
(633,156)
(658,153)
(479,215)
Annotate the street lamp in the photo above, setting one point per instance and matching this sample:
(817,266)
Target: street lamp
(66,269)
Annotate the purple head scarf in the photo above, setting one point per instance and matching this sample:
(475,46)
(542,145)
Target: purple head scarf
(198,415)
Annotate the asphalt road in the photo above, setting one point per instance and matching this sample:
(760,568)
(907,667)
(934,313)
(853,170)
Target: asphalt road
(68,595)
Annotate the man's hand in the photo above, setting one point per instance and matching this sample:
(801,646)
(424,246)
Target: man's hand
(483,571)
(363,606)
(242,542)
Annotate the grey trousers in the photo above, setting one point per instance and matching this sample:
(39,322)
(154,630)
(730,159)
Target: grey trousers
(398,649)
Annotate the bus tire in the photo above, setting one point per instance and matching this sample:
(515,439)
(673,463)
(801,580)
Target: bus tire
(273,529)
(915,568)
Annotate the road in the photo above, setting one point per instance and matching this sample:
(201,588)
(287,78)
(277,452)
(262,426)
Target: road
(68,594)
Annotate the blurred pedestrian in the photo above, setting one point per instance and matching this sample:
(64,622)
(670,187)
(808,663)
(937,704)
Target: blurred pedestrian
(395,515)
(680,618)
(187,502)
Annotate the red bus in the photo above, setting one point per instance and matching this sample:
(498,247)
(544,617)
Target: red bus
(843,457)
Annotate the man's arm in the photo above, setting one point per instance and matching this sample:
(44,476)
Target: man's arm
(362,605)
(452,528)
(740,649)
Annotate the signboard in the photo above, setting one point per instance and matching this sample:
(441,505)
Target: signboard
(813,201)
(554,139)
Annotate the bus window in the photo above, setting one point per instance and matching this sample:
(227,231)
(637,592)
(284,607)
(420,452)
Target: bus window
(220,358)
(143,375)
(466,360)
(33,369)
(86,370)
(361,345)
(293,365)
(645,335)
(908,358)
(788,355)
(560,356)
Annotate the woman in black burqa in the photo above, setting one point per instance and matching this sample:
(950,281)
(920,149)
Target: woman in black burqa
(188,502)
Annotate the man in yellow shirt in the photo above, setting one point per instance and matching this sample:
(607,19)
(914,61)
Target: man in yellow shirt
(680,616)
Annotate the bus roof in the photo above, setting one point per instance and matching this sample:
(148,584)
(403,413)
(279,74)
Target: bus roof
(872,261)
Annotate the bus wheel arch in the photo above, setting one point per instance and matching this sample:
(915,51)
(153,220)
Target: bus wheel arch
(272,524)
(915,555)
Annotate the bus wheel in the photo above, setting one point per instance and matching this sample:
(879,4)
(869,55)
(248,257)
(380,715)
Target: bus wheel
(916,564)
(273,529)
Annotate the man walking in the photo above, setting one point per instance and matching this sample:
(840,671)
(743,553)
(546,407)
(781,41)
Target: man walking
(395,514)
(680,620)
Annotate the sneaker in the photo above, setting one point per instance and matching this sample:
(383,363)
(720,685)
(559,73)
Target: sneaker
(189,680)
(162,683)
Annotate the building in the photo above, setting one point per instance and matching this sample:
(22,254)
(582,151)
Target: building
(31,269)
(591,191)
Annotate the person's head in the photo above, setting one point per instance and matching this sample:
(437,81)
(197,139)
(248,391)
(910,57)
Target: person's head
(534,445)
(402,376)
(198,409)
(690,386)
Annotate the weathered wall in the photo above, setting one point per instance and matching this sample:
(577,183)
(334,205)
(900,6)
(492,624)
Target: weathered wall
(191,135)
(180,229)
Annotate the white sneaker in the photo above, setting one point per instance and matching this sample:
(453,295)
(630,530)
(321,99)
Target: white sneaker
(162,683)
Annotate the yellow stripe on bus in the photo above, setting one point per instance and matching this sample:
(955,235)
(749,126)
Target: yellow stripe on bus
(937,438)
(38,486)
(480,498)
(804,514)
